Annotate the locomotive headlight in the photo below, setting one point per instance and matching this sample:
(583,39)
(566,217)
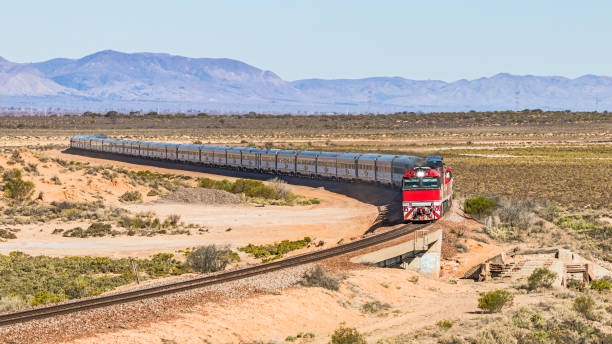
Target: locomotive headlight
(420,174)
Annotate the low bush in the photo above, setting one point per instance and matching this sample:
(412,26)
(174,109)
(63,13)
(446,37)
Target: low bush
(131,197)
(15,187)
(479,206)
(445,324)
(97,229)
(7,233)
(576,285)
(346,335)
(210,258)
(374,307)
(461,248)
(585,305)
(601,285)
(280,187)
(541,278)
(318,277)
(494,301)
(11,173)
(249,187)
(276,250)
(173,219)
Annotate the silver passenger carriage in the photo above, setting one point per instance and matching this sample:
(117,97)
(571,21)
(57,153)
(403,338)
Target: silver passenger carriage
(172,151)
(207,154)
(306,163)
(234,156)
(189,153)
(132,147)
(251,158)
(366,167)
(268,160)
(96,144)
(285,161)
(347,165)
(384,165)
(326,164)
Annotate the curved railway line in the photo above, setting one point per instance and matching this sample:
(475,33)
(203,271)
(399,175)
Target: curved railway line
(198,282)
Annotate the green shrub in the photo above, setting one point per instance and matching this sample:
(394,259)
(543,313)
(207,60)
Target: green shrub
(445,324)
(479,206)
(345,335)
(210,258)
(374,307)
(575,285)
(97,229)
(131,197)
(601,285)
(43,297)
(249,187)
(494,301)
(585,306)
(541,278)
(11,173)
(18,189)
(317,277)
(276,250)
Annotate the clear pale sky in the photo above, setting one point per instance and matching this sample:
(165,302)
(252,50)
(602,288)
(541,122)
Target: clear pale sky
(446,40)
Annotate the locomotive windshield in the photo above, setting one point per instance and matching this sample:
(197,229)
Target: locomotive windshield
(424,183)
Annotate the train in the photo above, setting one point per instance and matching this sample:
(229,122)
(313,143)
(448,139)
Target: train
(426,182)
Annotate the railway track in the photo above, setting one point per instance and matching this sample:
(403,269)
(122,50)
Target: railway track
(198,282)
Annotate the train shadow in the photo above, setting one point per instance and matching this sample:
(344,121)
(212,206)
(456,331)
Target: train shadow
(381,196)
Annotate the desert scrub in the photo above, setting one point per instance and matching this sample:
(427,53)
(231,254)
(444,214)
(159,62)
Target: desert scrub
(479,206)
(42,279)
(445,324)
(8,233)
(249,187)
(40,212)
(210,258)
(276,250)
(147,224)
(318,277)
(541,278)
(373,307)
(601,285)
(585,305)
(131,197)
(592,233)
(346,335)
(96,229)
(494,301)
(16,188)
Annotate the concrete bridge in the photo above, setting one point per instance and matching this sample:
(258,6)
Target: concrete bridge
(421,254)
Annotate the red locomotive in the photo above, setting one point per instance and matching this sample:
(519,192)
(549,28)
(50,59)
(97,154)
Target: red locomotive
(427,191)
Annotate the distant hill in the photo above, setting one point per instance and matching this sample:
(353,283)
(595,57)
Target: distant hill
(146,81)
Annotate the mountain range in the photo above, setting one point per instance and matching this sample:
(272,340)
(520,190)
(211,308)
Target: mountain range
(147,81)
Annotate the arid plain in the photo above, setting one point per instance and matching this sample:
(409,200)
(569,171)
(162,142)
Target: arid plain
(548,172)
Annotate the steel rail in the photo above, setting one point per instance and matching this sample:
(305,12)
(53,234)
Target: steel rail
(203,281)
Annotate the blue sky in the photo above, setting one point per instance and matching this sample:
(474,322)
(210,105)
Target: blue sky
(446,40)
